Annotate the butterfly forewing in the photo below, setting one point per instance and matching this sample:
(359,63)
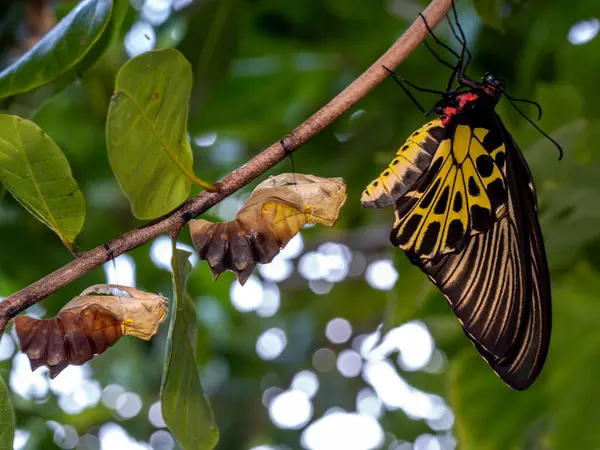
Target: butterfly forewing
(412,159)
(462,194)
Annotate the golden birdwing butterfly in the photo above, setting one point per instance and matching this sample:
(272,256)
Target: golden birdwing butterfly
(468,219)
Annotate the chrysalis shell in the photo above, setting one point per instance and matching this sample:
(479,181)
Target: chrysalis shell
(88,325)
(277,209)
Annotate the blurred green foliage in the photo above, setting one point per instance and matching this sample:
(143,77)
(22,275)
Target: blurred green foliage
(260,67)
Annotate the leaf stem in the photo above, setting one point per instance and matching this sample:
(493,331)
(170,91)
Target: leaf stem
(203,184)
(324,117)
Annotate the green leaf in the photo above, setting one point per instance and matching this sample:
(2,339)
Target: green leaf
(59,50)
(148,147)
(489,11)
(185,409)
(37,174)
(7,418)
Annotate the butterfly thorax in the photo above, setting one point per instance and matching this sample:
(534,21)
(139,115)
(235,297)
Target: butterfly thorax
(484,94)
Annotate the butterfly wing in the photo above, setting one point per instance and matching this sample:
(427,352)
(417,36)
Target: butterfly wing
(461,195)
(498,285)
(412,159)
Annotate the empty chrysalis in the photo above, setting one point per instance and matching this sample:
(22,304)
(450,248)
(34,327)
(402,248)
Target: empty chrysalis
(277,209)
(88,325)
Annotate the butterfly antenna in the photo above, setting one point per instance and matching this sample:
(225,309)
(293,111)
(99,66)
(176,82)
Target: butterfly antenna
(440,59)
(398,81)
(524,100)
(412,85)
(462,40)
(435,38)
(560,150)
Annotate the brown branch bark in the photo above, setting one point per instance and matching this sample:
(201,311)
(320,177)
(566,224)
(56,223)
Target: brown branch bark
(94,258)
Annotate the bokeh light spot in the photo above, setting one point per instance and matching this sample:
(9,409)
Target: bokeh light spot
(162,440)
(338,330)
(584,31)
(155,415)
(382,275)
(270,302)
(7,347)
(247,297)
(368,403)
(269,394)
(324,360)
(140,39)
(21,439)
(348,431)
(26,383)
(120,270)
(293,248)
(277,270)
(271,343)
(349,363)
(291,409)
(307,382)
(110,394)
(129,405)
(64,436)
(161,252)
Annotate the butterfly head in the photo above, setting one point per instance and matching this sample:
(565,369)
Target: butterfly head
(493,86)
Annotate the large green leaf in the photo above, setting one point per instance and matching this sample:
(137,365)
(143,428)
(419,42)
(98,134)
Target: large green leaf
(60,50)
(37,174)
(185,409)
(148,146)
(7,418)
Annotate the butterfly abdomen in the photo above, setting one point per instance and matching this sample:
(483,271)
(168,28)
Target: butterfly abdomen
(412,159)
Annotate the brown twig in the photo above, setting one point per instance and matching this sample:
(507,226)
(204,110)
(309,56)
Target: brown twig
(92,259)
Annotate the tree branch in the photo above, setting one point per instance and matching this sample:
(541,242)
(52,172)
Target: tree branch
(92,259)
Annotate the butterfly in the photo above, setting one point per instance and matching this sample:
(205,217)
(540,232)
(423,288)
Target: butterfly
(466,215)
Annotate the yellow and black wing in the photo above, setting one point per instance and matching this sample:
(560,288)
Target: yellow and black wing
(462,193)
(412,159)
(498,284)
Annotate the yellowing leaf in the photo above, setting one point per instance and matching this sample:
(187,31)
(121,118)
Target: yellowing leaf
(88,325)
(148,147)
(37,174)
(277,209)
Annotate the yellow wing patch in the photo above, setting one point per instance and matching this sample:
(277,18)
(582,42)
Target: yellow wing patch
(462,194)
(411,160)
